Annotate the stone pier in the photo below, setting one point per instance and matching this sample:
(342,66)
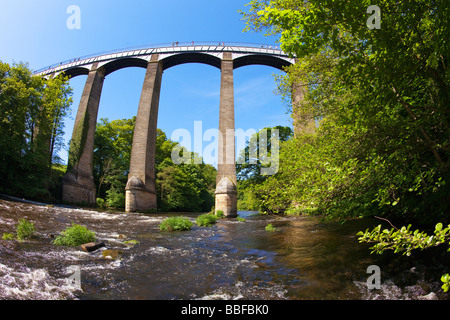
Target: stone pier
(140,191)
(78,183)
(226,191)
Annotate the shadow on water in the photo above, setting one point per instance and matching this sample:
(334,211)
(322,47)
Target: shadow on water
(304,259)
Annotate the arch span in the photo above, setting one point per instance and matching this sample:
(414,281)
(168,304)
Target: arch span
(190,57)
(261,59)
(121,63)
(76,71)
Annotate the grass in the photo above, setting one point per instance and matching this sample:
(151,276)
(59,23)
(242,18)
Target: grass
(25,229)
(176,224)
(240,219)
(75,235)
(131,243)
(8,236)
(206,220)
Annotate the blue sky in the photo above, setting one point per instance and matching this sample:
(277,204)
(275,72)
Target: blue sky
(36,32)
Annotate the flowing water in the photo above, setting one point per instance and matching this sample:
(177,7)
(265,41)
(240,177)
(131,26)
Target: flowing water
(305,259)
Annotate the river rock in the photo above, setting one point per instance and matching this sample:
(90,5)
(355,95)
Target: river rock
(92,246)
(430,296)
(112,254)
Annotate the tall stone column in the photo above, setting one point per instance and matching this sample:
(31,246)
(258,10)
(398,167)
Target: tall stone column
(226,191)
(140,191)
(78,183)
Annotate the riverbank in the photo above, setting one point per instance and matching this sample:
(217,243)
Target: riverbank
(304,259)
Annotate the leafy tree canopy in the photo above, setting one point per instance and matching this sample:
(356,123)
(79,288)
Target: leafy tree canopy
(381,99)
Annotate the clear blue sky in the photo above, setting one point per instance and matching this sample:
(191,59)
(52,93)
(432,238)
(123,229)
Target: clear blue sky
(36,32)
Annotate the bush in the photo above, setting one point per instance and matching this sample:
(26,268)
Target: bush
(25,229)
(176,224)
(206,220)
(74,236)
(220,214)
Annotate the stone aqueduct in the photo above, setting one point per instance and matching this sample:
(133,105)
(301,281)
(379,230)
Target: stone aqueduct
(140,192)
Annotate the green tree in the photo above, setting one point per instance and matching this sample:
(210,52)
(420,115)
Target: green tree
(249,165)
(381,97)
(32,110)
(112,152)
(185,187)
(179,187)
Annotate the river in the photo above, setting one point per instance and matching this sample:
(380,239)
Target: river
(305,258)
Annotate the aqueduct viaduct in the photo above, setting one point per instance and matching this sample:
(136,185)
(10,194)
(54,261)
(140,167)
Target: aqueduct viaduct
(140,193)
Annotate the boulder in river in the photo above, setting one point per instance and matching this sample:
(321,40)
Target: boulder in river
(112,254)
(92,246)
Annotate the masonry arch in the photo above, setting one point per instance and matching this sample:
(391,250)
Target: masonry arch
(265,60)
(121,63)
(190,57)
(76,71)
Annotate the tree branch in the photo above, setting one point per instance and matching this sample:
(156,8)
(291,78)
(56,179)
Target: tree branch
(430,142)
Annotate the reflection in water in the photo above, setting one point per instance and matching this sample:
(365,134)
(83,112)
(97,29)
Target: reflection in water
(305,259)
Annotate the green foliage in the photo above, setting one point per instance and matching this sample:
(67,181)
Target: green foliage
(75,235)
(382,143)
(405,241)
(78,141)
(100,203)
(185,187)
(115,197)
(240,219)
(250,163)
(32,113)
(176,224)
(247,198)
(131,243)
(112,152)
(220,214)
(270,228)
(446,282)
(253,157)
(55,182)
(25,229)
(205,220)
(8,236)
